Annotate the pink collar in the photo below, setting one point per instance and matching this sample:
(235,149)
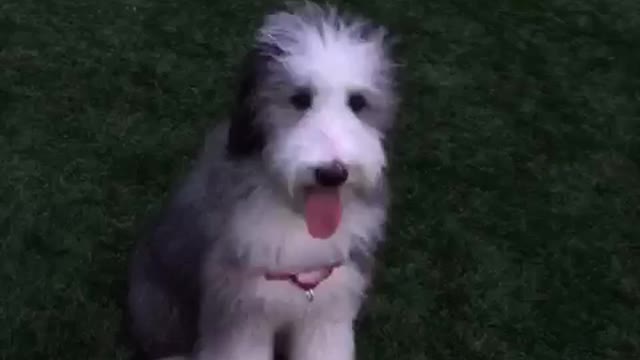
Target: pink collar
(304,284)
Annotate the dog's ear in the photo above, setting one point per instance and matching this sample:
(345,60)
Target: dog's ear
(246,137)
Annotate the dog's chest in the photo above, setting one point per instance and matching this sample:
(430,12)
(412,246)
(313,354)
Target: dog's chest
(271,238)
(338,296)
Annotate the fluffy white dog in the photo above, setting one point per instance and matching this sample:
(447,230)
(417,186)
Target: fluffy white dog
(267,248)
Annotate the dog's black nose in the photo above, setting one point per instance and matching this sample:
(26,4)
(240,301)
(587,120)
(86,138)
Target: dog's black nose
(333,174)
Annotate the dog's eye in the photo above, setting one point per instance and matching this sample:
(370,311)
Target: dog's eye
(301,100)
(357,102)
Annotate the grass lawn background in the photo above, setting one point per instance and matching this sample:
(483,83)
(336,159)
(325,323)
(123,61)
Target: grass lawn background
(516,169)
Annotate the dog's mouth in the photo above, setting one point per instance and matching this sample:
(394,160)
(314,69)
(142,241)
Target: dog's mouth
(322,211)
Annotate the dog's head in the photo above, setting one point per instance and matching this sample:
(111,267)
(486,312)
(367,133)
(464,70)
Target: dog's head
(316,101)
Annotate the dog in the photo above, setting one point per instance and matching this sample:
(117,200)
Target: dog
(267,247)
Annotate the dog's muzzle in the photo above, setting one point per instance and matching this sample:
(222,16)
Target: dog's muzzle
(333,174)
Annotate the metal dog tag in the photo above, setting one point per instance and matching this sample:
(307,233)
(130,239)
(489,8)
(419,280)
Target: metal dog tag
(310,295)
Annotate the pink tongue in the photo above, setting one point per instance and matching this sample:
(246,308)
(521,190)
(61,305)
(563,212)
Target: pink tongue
(322,212)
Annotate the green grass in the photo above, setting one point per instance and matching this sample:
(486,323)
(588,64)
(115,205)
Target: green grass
(516,169)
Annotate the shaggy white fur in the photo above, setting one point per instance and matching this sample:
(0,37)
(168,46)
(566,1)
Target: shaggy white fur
(319,95)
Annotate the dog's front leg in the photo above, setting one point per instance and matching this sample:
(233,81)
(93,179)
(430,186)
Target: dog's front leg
(323,340)
(240,340)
